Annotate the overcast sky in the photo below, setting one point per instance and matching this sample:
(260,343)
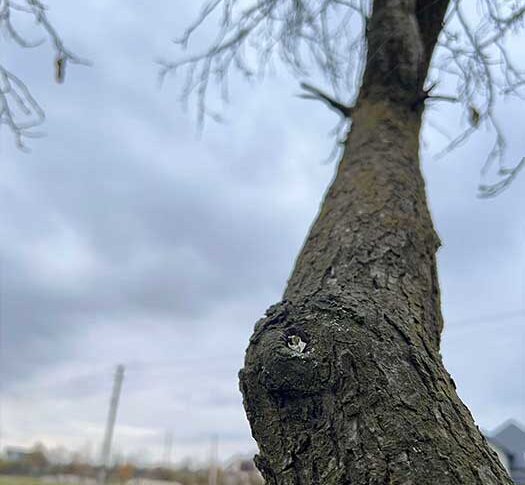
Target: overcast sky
(126,238)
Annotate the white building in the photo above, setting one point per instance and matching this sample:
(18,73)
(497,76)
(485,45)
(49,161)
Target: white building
(508,441)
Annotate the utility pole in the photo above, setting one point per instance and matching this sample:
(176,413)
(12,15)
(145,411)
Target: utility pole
(168,446)
(110,424)
(213,471)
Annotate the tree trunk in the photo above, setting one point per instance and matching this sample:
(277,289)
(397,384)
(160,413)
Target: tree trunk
(343,380)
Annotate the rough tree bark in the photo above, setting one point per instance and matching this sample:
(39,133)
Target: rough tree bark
(368,400)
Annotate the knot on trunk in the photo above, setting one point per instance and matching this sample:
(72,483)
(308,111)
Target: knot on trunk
(292,349)
(285,355)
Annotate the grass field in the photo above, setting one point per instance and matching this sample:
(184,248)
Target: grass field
(19,481)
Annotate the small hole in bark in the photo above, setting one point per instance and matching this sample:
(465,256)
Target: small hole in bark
(296,339)
(296,343)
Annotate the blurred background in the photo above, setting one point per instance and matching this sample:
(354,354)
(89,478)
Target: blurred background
(128,238)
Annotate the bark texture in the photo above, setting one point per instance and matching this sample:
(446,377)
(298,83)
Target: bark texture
(367,400)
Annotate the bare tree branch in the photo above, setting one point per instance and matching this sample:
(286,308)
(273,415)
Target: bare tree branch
(19,110)
(314,93)
(330,36)
(303,34)
(473,51)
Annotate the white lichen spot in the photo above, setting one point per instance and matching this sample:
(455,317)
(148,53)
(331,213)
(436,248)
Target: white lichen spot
(296,343)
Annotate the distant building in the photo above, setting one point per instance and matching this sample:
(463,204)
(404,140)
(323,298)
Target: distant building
(17,455)
(509,443)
